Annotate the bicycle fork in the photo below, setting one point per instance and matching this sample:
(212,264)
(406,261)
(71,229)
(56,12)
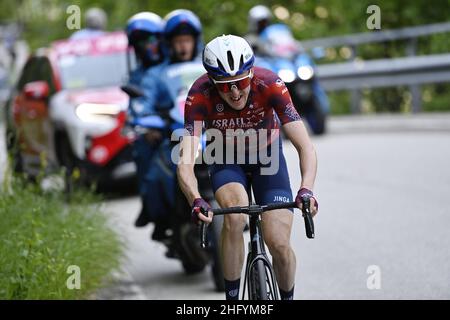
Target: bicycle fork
(259,273)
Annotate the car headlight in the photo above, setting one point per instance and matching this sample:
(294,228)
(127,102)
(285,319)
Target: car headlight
(305,72)
(94,112)
(286,75)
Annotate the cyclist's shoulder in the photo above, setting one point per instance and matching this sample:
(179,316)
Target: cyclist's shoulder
(265,76)
(200,94)
(269,83)
(202,85)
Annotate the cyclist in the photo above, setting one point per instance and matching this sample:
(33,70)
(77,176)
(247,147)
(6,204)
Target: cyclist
(95,20)
(144,31)
(236,95)
(167,82)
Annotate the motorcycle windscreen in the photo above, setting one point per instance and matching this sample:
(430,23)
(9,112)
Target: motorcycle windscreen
(184,76)
(279,41)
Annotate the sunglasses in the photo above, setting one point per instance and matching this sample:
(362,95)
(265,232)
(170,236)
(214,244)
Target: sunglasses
(225,86)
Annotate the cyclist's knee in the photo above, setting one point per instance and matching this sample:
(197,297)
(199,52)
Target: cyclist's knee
(232,195)
(279,248)
(234,223)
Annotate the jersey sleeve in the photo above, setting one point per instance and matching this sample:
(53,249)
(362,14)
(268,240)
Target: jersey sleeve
(279,98)
(195,109)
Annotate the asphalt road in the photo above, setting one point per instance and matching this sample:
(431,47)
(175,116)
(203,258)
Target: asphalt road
(383,185)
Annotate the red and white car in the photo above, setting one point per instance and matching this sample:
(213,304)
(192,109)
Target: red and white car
(68,110)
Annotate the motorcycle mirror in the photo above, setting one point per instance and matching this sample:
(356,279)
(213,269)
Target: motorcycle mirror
(132,91)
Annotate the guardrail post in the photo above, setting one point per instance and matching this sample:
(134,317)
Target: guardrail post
(415,90)
(355,94)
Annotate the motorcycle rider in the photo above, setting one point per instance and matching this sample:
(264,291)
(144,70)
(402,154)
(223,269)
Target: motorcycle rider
(183,43)
(259,17)
(144,31)
(95,21)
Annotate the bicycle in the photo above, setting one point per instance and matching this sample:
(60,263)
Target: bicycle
(259,275)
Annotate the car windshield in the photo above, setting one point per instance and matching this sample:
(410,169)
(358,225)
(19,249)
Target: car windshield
(89,71)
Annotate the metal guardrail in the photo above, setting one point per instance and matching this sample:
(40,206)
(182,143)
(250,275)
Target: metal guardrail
(385,72)
(411,70)
(378,36)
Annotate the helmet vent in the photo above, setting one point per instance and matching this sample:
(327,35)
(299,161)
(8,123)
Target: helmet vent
(230,60)
(220,65)
(241,63)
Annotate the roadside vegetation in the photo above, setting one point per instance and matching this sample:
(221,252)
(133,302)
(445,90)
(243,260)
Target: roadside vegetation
(45,241)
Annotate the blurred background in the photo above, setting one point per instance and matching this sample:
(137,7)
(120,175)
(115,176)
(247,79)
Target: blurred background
(383,175)
(41,21)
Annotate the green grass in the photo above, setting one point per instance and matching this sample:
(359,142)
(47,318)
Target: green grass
(41,236)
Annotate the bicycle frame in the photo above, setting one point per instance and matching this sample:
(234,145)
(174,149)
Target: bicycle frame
(257,253)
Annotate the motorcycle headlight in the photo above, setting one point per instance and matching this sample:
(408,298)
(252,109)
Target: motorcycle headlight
(94,112)
(305,72)
(286,75)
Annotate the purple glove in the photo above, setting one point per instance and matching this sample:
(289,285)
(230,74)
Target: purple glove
(304,192)
(199,206)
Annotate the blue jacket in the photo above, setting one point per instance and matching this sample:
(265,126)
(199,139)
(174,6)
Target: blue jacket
(164,86)
(148,83)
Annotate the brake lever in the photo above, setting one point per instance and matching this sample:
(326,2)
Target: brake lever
(203,229)
(307,216)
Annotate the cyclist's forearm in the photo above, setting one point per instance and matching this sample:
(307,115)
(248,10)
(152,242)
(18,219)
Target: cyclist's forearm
(308,167)
(188,182)
(185,169)
(297,133)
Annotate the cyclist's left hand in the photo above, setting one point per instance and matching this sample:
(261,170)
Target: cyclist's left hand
(313,206)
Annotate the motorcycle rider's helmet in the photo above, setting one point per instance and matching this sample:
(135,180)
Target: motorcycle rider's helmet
(183,22)
(259,17)
(227,56)
(96,19)
(144,31)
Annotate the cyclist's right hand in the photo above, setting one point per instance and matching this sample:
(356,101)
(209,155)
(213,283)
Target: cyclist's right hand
(199,208)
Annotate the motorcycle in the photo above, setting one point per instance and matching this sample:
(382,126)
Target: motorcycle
(183,243)
(279,52)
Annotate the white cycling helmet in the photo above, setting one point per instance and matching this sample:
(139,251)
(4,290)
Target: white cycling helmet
(257,15)
(227,56)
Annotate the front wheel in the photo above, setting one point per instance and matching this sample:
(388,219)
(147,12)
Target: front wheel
(258,282)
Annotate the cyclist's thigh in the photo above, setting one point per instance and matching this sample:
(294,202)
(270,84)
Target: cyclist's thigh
(272,188)
(229,185)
